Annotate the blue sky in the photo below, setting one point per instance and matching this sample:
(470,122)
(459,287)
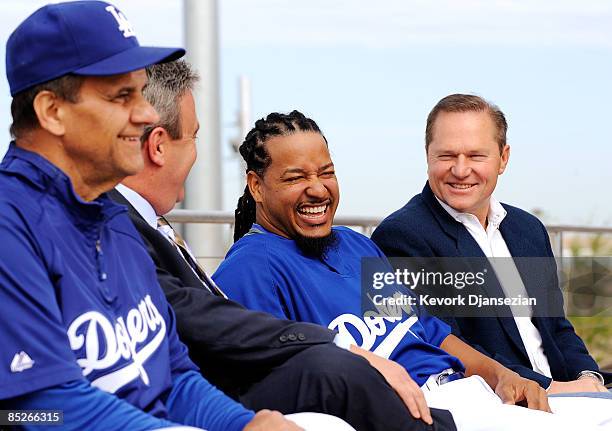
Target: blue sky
(369,72)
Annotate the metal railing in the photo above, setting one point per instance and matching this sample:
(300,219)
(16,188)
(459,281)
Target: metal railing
(367,225)
(557,233)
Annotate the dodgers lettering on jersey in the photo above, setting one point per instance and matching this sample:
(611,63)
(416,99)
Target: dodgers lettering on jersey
(386,333)
(381,327)
(63,322)
(131,340)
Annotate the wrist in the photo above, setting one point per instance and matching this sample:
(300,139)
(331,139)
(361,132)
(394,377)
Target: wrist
(498,373)
(588,374)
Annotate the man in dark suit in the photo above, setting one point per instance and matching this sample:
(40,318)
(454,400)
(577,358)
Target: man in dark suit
(260,360)
(456,216)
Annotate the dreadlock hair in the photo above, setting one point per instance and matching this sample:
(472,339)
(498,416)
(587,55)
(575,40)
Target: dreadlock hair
(253,151)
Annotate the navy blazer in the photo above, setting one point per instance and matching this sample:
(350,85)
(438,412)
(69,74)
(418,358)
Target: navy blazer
(422,228)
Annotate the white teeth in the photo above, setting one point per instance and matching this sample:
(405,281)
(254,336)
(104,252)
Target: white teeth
(313,210)
(461,186)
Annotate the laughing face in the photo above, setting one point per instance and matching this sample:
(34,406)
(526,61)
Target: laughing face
(464,161)
(298,193)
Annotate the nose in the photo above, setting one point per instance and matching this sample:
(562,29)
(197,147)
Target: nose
(461,167)
(316,189)
(143,113)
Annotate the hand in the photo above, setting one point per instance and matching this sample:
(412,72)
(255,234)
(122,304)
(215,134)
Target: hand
(514,389)
(583,384)
(401,382)
(267,420)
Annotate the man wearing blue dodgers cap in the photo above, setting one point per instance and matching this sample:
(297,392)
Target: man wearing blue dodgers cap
(84,331)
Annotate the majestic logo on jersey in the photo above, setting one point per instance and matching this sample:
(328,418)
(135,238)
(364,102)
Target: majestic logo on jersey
(21,361)
(107,343)
(124,24)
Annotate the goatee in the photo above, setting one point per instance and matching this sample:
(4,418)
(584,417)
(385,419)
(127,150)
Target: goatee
(317,246)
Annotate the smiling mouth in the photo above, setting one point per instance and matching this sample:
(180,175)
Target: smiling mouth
(313,212)
(459,186)
(130,138)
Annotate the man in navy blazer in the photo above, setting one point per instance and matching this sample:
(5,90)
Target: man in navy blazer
(456,216)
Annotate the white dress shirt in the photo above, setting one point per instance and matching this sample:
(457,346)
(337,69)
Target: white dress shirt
(493,245)
(140,204)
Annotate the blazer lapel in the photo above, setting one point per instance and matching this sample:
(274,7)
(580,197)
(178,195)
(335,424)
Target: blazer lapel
(163,249)
(520,247)
(466,246)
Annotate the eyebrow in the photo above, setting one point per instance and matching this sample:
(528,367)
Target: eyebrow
(126,89)
(133,87)
(121,84)
(129,89)
(454,153)
(302,171)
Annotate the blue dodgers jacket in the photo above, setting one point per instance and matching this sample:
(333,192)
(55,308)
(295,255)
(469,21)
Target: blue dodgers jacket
(71,304)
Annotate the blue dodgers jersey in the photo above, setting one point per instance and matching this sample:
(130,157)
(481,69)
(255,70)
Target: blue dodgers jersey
(79,295)
(267,272)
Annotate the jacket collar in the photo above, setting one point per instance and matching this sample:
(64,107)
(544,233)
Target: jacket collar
(468,246)
(46,177)
(138,203)
(510,228)
(449,225)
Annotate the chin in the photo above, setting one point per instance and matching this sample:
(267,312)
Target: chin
(133,168)
(316,232)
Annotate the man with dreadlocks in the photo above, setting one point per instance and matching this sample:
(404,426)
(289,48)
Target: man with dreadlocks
(289,261)
(260,360)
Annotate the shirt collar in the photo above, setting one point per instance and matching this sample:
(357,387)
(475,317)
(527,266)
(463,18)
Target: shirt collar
(140,204)
(496,215)
(497,212)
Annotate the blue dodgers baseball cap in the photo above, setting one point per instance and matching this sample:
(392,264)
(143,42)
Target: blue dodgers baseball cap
(91,38)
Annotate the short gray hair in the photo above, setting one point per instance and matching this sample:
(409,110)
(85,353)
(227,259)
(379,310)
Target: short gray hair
(168,82)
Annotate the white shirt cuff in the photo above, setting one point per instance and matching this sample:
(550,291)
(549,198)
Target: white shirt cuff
(343,341)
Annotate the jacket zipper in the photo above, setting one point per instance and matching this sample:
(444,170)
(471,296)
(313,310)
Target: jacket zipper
(100,261)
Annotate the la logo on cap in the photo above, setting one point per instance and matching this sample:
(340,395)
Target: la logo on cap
(80,38)
(124,24)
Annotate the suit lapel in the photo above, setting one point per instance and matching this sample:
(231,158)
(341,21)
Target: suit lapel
(118,197)
(520,247)
(165,252)
(466,246)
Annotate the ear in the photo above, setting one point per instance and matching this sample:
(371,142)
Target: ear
(156,146)
(49,110)
(505,156)
(255,186)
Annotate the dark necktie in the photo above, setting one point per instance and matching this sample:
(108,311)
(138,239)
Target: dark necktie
(166,229)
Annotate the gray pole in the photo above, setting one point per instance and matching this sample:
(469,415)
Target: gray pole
(243,124)
(203,189)
(244,120)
